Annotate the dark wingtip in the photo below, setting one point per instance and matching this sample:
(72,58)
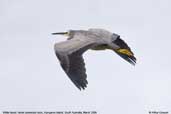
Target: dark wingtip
(81,86)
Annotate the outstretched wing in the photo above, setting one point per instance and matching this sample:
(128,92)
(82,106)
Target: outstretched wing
(69,54)
(125,51)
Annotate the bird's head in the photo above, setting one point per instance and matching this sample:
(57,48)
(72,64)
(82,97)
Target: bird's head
(69,33)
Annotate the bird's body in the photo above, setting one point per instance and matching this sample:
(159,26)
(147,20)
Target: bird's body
(70,52)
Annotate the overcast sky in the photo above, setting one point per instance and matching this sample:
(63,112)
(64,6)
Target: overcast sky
(31,78)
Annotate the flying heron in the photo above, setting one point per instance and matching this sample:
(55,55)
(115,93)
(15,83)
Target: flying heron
(70,52)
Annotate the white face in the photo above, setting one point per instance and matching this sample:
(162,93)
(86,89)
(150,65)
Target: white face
(69,32)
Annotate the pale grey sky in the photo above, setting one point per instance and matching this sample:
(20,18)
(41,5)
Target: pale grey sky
(32,79)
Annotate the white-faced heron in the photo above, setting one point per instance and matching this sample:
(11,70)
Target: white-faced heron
(70,52)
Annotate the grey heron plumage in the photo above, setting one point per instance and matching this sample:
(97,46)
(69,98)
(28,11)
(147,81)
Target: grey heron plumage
(70,52)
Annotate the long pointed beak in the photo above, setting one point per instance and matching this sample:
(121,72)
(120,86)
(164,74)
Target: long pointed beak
(60,33)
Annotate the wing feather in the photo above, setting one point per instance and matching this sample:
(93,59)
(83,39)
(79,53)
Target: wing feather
(69,54)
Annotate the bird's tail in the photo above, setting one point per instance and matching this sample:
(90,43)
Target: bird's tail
(124,51)
(125,54)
